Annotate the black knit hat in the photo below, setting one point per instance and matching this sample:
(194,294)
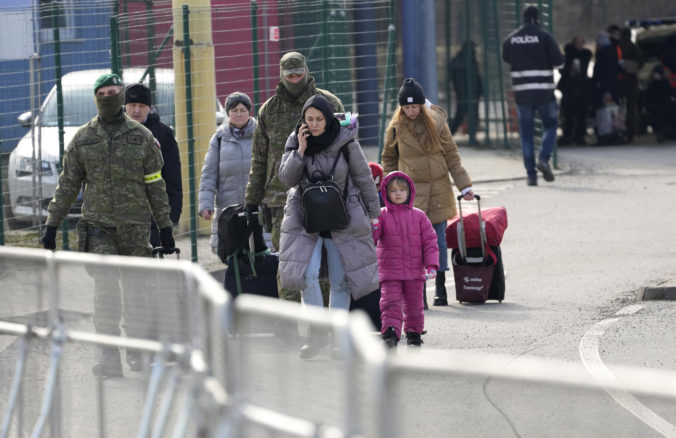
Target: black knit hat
(411,92)
(235,99)
(530,13)
(137,93)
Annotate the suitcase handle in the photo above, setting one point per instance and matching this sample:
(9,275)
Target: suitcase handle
(475,195)
(461,229)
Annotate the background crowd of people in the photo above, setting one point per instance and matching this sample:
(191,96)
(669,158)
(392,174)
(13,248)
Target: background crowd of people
(611,95)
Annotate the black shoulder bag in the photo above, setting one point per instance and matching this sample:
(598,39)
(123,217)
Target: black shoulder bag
(323,203)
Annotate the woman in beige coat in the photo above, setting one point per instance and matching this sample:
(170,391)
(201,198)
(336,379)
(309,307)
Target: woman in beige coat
(419,143)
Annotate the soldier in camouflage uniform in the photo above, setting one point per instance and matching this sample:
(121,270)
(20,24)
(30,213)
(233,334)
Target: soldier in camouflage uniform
(120,165)
(277,118)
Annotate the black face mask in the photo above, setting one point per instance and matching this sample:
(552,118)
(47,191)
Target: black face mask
(297,88)
(110,106)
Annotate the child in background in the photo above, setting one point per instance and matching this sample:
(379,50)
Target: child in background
(377,174)
(408,255)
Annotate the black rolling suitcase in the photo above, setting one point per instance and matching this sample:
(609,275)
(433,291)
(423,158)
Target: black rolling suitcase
(252,267)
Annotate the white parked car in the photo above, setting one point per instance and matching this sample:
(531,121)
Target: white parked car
(31,181)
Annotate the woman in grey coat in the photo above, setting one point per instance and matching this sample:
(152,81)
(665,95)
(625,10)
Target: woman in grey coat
(225,172)
(351,253)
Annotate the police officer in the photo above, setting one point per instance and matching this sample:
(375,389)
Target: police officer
(277,118)
(120,164)
(137,104)
(533,55)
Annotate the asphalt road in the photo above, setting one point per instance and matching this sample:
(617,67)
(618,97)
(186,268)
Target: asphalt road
(576,252)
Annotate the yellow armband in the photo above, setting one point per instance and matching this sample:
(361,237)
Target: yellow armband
(153,177)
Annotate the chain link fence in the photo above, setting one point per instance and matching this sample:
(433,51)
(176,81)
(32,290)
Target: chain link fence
(351,49)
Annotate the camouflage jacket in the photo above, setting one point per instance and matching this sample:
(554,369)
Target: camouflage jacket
(277,118)
(121,173)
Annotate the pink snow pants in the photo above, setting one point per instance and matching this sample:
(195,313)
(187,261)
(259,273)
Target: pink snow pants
(402,301)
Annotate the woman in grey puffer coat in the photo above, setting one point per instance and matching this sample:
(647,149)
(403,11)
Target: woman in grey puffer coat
(225,172)
(351,253)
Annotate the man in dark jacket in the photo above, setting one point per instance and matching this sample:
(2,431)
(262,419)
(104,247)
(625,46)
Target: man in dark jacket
(138,106)
(574,85)
(465,70)
(533,55)
(631,62)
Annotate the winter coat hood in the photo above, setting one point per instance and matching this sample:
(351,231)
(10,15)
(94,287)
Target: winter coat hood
(411,191)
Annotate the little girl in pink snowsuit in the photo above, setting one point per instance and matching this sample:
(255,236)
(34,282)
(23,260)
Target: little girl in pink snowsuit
(407,256)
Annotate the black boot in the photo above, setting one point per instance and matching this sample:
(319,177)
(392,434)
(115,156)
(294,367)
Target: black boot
(414,339)
(317,339)
(135,360)
(440,295)
(390,338)
(109,365)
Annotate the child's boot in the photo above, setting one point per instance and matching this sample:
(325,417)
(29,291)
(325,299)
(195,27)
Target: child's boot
(390,338)
(440,296)
(414,339)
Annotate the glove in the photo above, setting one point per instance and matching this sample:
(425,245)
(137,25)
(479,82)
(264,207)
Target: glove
(251,208)
(375,224)
(431,273)
(167,238)
(49,239)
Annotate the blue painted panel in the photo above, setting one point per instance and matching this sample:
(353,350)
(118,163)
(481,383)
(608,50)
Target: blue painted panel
(88,49)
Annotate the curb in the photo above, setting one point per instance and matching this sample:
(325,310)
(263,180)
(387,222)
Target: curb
(665,290)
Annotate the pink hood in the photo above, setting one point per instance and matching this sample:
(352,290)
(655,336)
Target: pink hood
(386,182)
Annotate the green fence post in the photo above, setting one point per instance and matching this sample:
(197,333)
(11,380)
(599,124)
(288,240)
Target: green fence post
(389,73)
(254,54)
(500,80)
(449,74)
(486,83)
(150,26)
(325,38)
(2,205)
(59,106)
(114,46)
(191,137)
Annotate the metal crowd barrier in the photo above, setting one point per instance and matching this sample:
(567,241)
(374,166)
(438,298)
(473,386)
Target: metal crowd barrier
(47,300)
(218,368)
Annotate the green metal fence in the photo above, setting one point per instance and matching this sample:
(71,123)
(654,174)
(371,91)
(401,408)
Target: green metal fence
(340,38)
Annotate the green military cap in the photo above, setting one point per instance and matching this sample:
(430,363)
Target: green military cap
(107,79)
(292,62)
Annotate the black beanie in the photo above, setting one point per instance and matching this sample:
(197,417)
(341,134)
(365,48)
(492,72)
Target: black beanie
(411,92)
(235,99)
(137,93)
(530,13)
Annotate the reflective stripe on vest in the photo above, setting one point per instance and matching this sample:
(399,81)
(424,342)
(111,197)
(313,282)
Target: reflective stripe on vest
(153,177)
